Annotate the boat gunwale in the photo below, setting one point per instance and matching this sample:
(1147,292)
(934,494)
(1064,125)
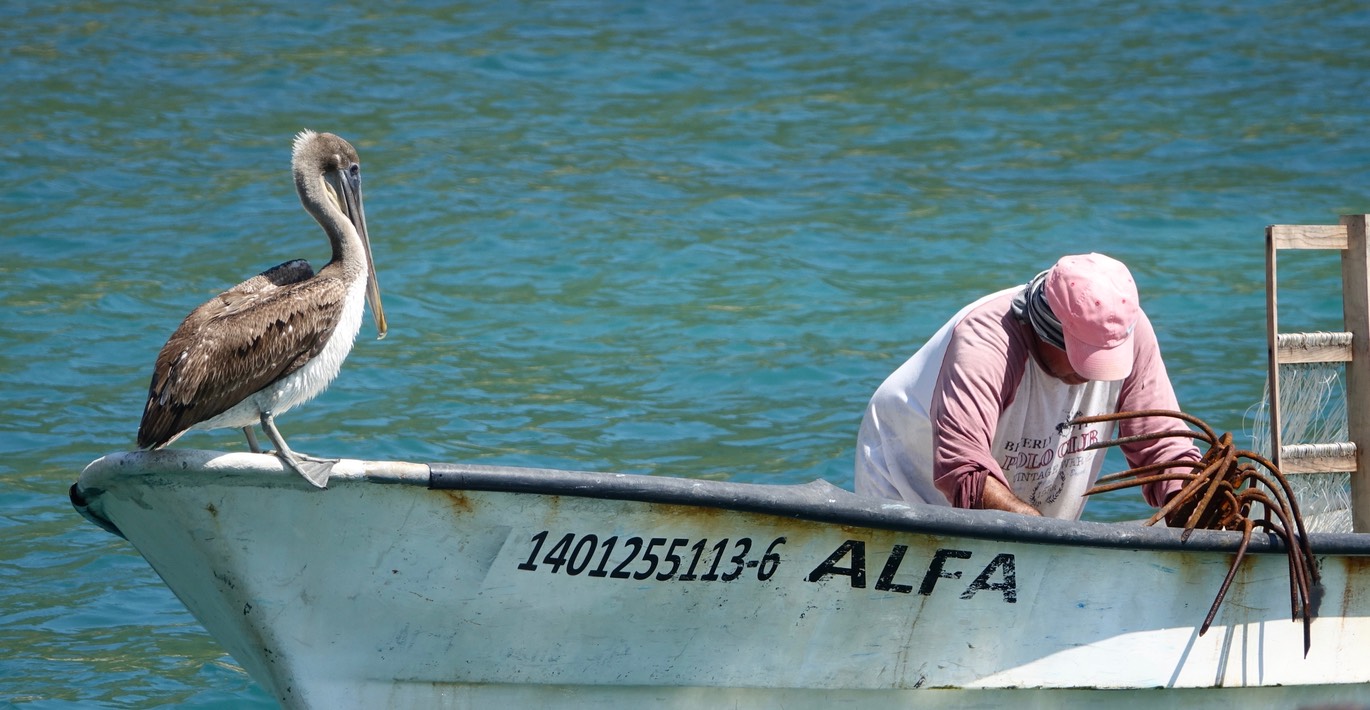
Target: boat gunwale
(817,501)
(822,502)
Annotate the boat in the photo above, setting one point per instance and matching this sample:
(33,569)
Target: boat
(443,585)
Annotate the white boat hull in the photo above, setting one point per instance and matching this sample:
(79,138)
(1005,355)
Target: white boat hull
(551,588)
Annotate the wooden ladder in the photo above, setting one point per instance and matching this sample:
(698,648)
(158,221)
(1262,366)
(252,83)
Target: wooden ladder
(1351,347)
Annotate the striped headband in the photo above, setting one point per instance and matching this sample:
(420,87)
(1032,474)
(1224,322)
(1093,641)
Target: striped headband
(1030,306)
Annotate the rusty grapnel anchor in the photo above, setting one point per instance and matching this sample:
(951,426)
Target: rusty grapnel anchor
(1218,494)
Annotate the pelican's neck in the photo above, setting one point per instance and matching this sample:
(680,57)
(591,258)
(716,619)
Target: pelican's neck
(348,252)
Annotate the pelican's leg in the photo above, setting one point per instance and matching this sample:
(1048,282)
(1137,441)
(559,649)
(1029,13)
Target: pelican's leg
(314,470)
(251,440)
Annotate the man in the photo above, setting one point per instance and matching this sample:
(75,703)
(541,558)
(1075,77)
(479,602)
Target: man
(977,417)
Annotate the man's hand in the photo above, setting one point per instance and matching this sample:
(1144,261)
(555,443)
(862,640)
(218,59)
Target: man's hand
(997,496)
(1179,517)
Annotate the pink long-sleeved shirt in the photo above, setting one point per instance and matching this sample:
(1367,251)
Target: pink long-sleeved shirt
(987,357)
(973,403)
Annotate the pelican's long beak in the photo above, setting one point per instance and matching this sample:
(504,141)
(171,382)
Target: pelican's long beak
(352,204)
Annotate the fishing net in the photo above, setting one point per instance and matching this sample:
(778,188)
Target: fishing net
(1312,413)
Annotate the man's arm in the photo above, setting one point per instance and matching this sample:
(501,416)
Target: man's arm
(984,364)
(997,496)
(1149,388)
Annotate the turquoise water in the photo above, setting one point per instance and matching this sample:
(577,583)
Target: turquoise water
(659,238)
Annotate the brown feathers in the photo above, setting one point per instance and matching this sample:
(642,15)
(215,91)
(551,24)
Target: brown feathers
(237,343)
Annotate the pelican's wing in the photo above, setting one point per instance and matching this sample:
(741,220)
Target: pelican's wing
(237,343)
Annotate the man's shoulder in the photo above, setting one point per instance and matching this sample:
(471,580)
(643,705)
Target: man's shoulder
(1143,334)
(988,320)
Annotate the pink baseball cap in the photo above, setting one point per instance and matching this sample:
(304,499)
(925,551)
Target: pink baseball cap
(1096,301)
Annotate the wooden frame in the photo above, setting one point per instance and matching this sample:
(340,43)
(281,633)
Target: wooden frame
(1352,347)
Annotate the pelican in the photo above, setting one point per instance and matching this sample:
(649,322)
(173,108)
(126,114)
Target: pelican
(279,338)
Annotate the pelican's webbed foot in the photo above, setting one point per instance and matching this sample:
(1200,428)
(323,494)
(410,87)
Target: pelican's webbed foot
(315,470)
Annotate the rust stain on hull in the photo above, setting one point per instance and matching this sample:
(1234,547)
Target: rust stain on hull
(458,500)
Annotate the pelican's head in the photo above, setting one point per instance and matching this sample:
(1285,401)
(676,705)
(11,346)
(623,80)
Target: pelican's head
(328,177)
